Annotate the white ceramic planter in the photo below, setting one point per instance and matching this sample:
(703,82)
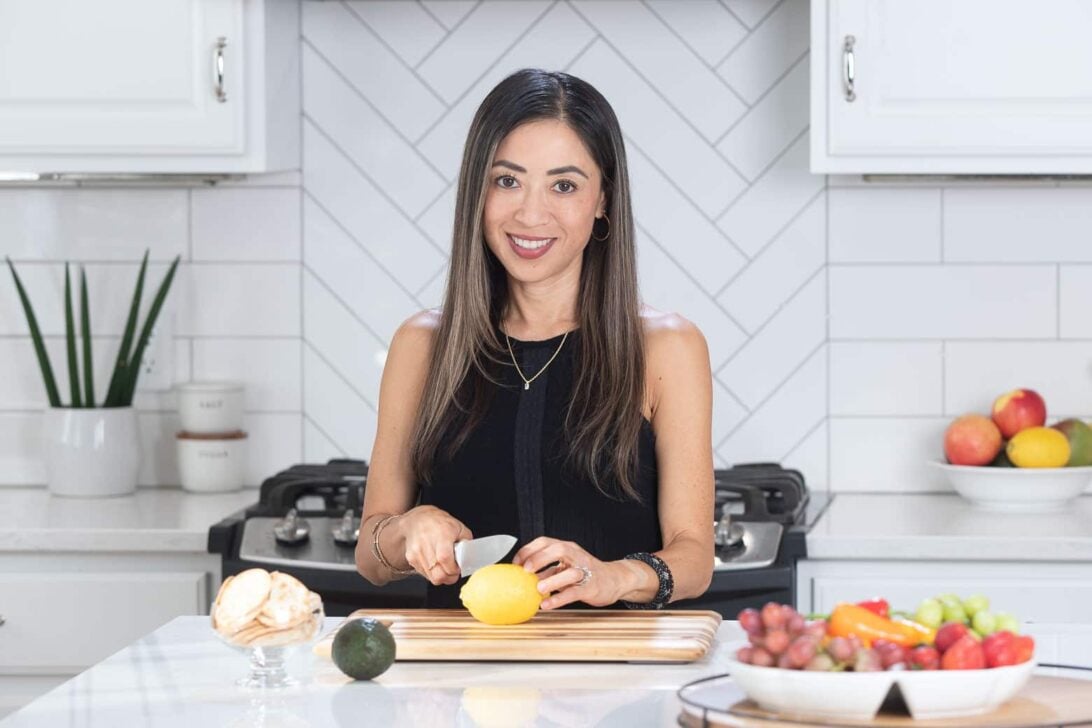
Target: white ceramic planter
(91,453)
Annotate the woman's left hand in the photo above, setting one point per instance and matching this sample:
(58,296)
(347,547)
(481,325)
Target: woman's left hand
(577,575)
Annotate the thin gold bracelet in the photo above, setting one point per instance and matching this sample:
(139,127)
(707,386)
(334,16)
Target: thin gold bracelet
(377,530)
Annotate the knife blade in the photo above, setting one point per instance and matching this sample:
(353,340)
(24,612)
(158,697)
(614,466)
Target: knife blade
(478,552)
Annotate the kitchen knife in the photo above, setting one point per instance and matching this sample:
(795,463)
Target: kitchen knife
(478,552)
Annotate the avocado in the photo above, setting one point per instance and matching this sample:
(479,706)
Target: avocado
(363,648)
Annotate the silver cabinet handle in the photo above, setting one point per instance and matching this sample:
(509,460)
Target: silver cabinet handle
(218,69)
(2,620)
(849,70)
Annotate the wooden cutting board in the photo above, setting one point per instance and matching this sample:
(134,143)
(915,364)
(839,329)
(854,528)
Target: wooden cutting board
(584,635)
(1044,701)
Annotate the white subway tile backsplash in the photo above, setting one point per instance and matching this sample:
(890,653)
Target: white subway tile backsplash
(668,63)
(438,221)
(20,448)
(938,301)
(886,454)
(1021,224)
(785,419)
(93,224)
(235,300)
(875,225)
(660,132)
(476,45)
(977,372)
(560,35)
(756,64)
(771,202)
(246,224)
(770,126)
(358,53)
(706,27)
(886,378)
(772,353)
(336,409)
(666,287)
(751,12)
(317,448)
(449,12)
(346,344)
(350,198)
(406,27)
(159,449)
(680,228)
(270,370)
(366,138)
(371,293)
(274,443)
(728,413)
(1075,301)
(811,459)
(773,277)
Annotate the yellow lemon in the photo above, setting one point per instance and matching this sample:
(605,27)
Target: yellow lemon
(504,593)
(501,707)
(1038,447)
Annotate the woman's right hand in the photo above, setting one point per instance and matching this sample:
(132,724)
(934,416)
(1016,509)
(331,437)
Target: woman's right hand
(430,535)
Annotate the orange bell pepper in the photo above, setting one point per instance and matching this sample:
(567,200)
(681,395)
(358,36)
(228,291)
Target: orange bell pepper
(850,619)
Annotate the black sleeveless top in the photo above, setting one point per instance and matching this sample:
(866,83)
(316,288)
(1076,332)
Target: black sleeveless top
(510,476)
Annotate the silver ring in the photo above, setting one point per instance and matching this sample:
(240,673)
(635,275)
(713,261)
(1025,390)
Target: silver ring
(587,575)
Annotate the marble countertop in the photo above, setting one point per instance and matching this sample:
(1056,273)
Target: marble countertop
(182,675)
(151,520)
(943,526)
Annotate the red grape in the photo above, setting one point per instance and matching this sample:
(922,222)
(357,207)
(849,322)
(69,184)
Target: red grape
(867,660)
(841,649)
(817,629)
(772,616)
(758,640)
(744,654)
(890,653)
(785,662)
(751,621)
(762,658)
(801,651)
(796,623)
(777,641)
(822,661)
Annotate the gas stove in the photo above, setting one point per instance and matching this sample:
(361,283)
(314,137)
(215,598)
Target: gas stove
(307,519)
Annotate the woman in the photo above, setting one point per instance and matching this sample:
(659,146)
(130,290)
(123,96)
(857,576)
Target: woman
(543,400)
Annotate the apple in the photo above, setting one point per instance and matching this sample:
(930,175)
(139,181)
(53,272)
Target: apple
(972,440)
(1018,410)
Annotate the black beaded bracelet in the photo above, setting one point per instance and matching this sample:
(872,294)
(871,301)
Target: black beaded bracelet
(667,582)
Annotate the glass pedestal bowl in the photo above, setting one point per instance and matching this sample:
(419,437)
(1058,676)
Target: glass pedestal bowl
(267,650)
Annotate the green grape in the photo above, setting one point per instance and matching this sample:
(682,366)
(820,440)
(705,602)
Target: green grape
(1005,621)
(930,613)
(975,604)
(949,599)
(954,613)
(985,623)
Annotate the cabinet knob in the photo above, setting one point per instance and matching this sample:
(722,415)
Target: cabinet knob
(218,69)
(849,69)
(2,620)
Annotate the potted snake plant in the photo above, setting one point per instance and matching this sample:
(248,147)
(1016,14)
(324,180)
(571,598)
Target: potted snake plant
(91,446)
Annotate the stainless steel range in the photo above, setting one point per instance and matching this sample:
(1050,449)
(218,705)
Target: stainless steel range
(307,518)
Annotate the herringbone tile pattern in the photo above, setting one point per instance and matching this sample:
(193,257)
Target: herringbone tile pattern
(713,100)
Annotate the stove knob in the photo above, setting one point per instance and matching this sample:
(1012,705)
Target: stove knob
(347,532)
(291,530)
(727,534)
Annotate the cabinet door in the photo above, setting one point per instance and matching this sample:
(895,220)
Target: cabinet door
(975,86)
(117,77)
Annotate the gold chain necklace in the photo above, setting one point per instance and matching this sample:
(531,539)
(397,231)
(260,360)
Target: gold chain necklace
(526,381)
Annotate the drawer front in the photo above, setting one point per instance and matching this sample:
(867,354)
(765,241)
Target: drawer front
(66,622)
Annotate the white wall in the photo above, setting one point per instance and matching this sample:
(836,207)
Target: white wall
(847,322)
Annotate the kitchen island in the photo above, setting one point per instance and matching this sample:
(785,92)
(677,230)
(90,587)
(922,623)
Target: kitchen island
(183,675)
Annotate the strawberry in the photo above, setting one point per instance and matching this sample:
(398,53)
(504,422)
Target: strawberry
(924,658)
(1025,648)
(949,634)
(965,654)
(1000,649)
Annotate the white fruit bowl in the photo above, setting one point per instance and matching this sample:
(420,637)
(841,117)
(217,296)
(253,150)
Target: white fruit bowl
(1017,490)
(928,694)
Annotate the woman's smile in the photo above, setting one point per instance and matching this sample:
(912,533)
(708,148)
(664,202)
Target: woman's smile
(530,248)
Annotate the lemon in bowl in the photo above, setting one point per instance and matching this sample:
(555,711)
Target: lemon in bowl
(501,594)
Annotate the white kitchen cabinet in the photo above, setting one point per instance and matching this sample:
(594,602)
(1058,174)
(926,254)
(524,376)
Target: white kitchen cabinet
(1049,598)
(130,86)
(63,612)
(968,87)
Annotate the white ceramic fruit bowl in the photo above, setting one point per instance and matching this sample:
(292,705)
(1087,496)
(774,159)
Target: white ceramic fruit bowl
(928,694)
(1017,490)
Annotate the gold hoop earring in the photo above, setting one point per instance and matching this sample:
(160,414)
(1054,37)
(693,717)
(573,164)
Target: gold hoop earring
(604,238)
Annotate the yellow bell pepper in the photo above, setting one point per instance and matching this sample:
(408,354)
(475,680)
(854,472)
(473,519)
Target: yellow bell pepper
(850,619)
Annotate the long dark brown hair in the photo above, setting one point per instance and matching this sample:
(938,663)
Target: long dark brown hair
(604,416)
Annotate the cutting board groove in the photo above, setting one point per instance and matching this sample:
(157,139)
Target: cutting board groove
(563,636)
